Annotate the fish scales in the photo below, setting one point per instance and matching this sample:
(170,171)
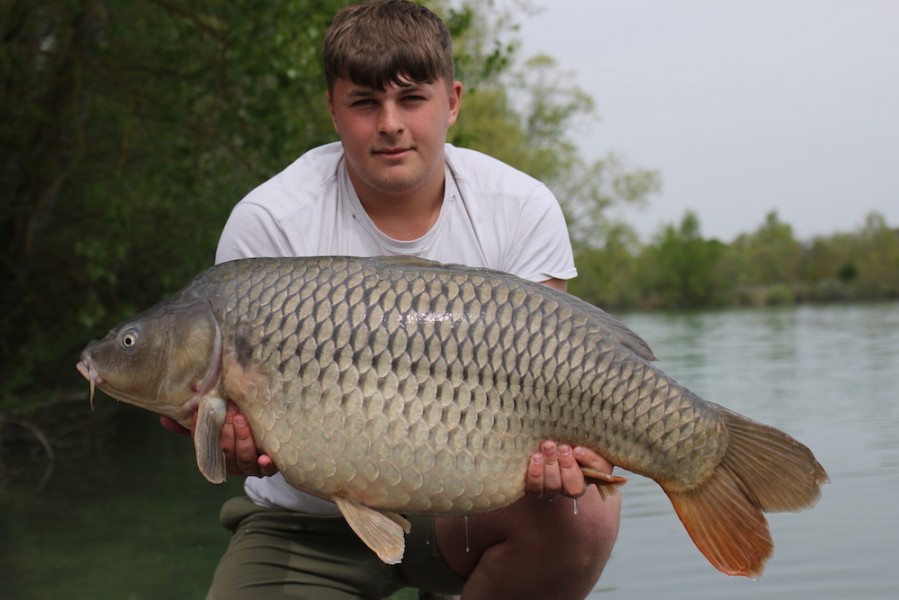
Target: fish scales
(416,311)
(408,386)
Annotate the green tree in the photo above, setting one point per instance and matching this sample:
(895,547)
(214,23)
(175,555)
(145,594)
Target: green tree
(134,127)
(876,259)
(824,258)
(769,255)
(526,117)
(588,190)
(680,267)
(608,274)
(525,112)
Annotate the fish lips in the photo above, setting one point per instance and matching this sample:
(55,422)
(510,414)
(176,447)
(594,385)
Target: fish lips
(86,367)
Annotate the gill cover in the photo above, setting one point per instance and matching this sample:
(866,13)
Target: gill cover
(162,359)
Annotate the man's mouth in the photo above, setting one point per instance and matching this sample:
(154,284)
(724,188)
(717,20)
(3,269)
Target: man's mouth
(392,152)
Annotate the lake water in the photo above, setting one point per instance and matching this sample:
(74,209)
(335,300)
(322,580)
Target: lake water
(137,521)
(828,376)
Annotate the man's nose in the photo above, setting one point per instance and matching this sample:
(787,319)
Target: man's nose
(389,119)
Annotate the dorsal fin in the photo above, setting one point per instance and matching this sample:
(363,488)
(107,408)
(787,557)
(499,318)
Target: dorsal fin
(412,261)
(625,336)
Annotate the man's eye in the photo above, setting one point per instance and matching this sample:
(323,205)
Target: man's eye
(363,102)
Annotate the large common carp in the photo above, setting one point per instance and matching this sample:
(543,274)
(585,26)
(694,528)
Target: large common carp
(397,385)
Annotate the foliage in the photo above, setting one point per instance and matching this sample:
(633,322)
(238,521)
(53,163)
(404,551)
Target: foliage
(861,265)
(526,118)
(606,273)
(769,266)
(136,125)
(680,267)
(769,255)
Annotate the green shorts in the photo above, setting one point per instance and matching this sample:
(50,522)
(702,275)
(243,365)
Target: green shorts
(282,554)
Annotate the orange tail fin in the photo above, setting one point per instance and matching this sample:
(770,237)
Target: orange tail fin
(764,469)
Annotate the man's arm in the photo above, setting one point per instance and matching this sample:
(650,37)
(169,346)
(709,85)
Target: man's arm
(556,284)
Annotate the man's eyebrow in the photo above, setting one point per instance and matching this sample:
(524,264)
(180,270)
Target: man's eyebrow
(361,91)
(365,92)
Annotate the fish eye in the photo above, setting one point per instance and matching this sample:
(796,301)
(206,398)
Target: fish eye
(129,339)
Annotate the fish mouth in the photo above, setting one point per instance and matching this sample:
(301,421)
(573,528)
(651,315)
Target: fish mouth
(86,368)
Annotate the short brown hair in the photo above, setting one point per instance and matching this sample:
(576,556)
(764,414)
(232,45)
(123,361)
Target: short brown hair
(387,41)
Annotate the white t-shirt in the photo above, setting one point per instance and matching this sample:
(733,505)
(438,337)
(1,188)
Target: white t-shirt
(492,216)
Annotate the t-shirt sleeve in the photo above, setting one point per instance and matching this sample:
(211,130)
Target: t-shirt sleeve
(541,246)
(251,231)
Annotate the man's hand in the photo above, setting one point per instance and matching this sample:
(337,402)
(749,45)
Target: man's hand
(242,458)
(173,425)
(241,455)
(556,470)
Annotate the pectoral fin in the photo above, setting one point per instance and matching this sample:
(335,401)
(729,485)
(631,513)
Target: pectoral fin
(207,438)
(381,531)
(606,484)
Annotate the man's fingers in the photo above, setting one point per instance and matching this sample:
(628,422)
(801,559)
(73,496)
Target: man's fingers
(556,470)
(242,452)
(245,453)
(534,480)
(267,466)
(588,458)
(241,455)
(572,478)
(552,478)
(228,442)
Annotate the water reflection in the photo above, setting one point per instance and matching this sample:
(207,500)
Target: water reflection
(135,520)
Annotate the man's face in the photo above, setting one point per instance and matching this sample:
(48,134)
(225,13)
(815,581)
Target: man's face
(393,139)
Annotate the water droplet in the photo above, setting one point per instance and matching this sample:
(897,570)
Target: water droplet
(467,545)
(575,505)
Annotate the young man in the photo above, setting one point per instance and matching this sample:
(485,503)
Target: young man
(392,186)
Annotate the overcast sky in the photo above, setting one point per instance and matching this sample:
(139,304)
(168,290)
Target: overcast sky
(743,107)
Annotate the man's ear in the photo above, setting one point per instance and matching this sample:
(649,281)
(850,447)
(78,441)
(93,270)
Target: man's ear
(331,109)
(455,102)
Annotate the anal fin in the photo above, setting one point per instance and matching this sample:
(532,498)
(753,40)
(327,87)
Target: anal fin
(381,531)
(606,484)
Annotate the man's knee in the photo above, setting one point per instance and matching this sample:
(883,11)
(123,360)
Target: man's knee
(558,539)
(596,532)
(579,535)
